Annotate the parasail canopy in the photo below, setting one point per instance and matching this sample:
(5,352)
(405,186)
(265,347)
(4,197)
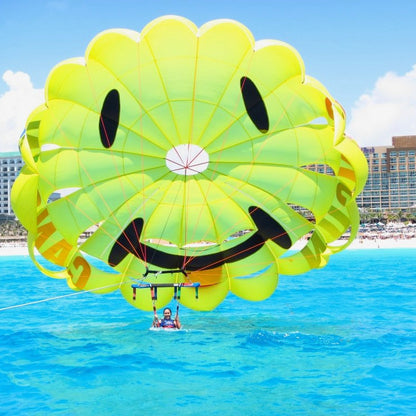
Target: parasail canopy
(196,152)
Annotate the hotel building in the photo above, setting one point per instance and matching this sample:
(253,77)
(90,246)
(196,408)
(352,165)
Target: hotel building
(10,165)
(391,184)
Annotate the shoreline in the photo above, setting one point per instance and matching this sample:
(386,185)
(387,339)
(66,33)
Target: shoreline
(13,249)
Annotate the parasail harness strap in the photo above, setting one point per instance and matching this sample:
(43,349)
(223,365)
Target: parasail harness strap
(153,292)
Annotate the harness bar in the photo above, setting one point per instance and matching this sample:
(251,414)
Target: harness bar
(154,286)
(143,285)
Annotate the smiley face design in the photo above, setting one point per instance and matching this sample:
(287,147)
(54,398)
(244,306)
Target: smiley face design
(187,148)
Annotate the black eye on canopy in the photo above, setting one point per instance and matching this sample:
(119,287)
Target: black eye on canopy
(254,104)
(109,118)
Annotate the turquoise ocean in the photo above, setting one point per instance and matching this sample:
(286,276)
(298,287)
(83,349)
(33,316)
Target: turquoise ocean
(336,341)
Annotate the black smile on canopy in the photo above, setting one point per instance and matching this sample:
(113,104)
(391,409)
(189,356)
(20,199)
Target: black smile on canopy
(267,229)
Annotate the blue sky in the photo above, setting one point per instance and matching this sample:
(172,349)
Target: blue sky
(362,51)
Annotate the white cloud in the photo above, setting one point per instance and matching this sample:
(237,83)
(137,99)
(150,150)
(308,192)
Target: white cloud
(15,106)
(388,110)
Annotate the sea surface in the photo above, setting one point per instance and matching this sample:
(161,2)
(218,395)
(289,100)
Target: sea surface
(336,341)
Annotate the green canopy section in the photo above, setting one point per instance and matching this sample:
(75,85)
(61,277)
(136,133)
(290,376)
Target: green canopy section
(185,148)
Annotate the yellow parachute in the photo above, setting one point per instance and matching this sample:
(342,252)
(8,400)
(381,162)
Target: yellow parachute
(196,152)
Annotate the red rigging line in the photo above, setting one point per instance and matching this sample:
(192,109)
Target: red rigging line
(213,168)
(231,256)
(149,260)
(186,216)
(103,128)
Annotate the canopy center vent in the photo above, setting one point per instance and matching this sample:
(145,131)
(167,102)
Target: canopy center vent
(187,159)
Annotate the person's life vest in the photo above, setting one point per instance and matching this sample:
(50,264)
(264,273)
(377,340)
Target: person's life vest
(167,323)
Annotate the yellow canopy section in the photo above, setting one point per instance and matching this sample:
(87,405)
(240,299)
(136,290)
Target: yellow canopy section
(186,149)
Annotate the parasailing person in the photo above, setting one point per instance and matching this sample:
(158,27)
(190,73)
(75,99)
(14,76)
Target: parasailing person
(167,321)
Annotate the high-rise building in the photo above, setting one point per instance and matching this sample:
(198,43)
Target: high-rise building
(391,184)
(10,165)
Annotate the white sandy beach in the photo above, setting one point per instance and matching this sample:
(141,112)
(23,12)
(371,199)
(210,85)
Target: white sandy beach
(358,243)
